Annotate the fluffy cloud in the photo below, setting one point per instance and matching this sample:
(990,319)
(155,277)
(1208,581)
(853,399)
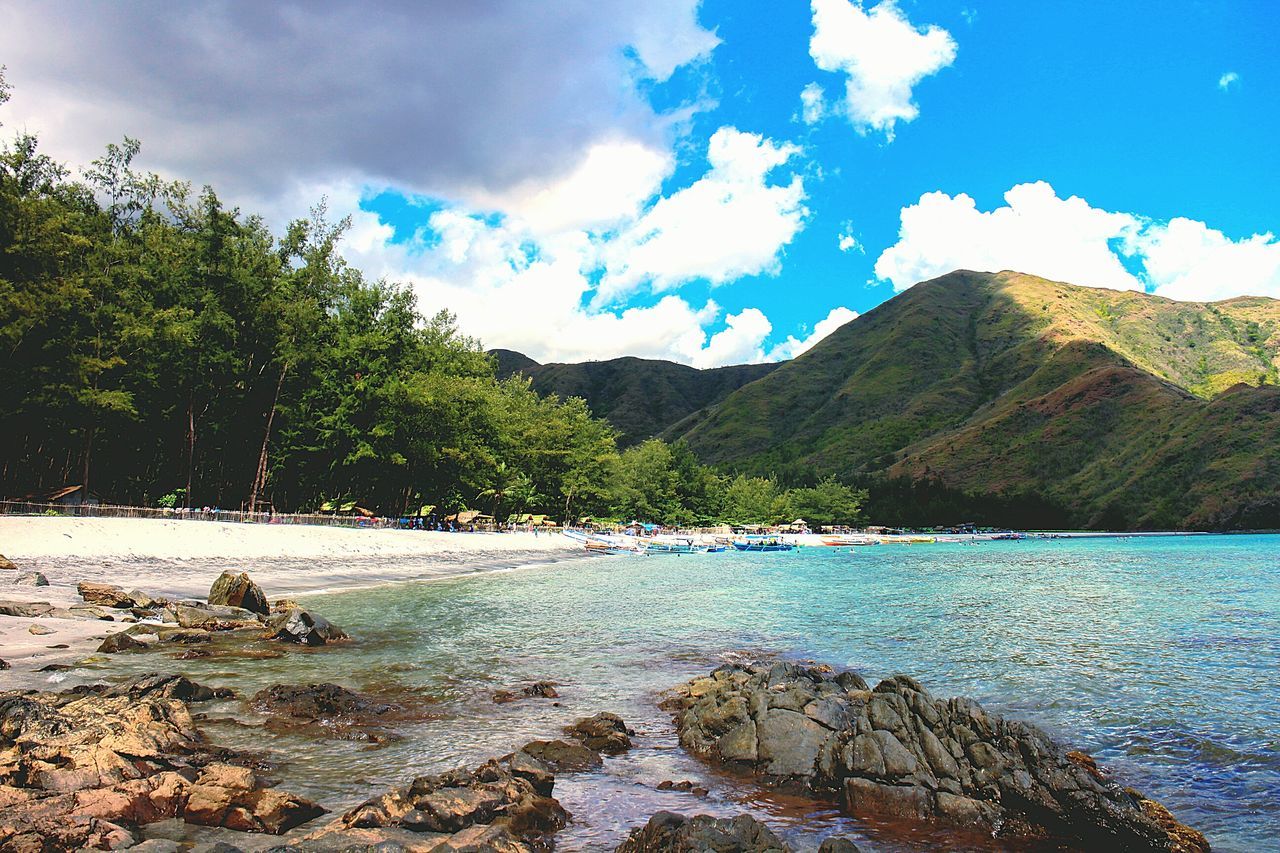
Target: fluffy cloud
(1185,259)
(1228,80)
(730,223)
(792,346)
(1036,232)
(527,280)
(883,55)
(1069,240)
(468,101)
(813,105)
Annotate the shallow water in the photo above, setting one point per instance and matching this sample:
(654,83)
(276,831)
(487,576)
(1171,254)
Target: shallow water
(1157,655)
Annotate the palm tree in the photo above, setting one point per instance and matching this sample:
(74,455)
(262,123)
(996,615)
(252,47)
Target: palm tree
(505,481)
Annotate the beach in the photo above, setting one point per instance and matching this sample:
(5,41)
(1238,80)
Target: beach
(181,558)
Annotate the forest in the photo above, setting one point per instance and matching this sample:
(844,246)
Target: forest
(161,347)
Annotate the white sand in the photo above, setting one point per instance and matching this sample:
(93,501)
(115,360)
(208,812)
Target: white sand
(181,559)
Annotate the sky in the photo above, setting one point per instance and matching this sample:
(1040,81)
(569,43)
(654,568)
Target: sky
(712,183)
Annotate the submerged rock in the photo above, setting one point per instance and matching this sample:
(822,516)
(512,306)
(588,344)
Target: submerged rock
(316,702)
(604,732)
(238,591)
(493,807)
(898,752)
(667,832)
(296,625)
(562,755)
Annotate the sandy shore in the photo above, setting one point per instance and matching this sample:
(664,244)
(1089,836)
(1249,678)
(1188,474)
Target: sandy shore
(180,559)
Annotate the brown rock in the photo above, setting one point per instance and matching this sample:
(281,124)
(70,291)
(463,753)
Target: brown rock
(238,591)
(104,595)
(6,564)
(39,630)
(667,832)
(604,732)
(561,755)
(120,641)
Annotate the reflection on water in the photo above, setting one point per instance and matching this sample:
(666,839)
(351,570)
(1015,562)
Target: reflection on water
(1155,654)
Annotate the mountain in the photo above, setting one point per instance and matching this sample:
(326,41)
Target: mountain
(1118,409)
(641,397)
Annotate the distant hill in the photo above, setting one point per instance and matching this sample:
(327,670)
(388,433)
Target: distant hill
(1121,409)
(641,397)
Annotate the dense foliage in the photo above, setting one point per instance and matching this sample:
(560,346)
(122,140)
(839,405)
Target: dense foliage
(163,349)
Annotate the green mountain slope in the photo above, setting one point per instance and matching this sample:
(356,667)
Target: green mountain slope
(1124,409)
(641,397)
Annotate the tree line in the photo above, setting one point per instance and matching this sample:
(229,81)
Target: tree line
(161,347)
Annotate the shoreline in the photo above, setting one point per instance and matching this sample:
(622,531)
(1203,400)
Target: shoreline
(287,562)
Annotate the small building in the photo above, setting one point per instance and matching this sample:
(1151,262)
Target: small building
(65,496)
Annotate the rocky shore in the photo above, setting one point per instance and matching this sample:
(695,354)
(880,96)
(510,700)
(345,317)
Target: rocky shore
(92,766)
(896,751)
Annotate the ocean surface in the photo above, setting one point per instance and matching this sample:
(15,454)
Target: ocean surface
(1160,656)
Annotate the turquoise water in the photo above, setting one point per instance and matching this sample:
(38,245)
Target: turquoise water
(1157,655)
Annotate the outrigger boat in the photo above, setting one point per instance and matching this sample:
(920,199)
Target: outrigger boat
(762,543)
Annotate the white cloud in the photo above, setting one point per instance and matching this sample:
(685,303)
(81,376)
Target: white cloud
(847,242)
(813,106)
(611,184)
(1036,232)
(739,342)
(884,56)
(730,223)
(1069,240)
(1228,80)
(1188,260)
(792,346)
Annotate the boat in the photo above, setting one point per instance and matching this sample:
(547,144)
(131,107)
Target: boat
(762,543)
(847,539)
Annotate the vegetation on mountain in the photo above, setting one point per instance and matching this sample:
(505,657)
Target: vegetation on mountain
(641,397)
(1087,407)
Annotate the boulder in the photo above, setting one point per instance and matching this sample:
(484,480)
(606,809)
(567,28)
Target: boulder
(561,755)
(667,832)
(238,591)
(177,687)
(104,595)
(837,844)
(899,753)
(39,630)
(121,641)
(30,579)
(296,625)
(4,664)
(488,808)
(604,732)
(26,610)
(6,564)
(214,617)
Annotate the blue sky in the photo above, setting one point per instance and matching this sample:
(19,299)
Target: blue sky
(602,180)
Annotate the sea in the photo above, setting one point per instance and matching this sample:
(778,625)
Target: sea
(1158,655)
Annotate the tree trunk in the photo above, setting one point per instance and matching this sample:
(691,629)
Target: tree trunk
(88,453)
(191,445)
(260,478)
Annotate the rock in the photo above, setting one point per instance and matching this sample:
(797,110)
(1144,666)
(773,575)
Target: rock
(39,630)
(238,591)
(6,564)
(316,702)
(4,664)
(296,625)
(84,767)
(898,753)
(604,732)
(562,755)
(104,595)
(686,786)
(177,687)
(489,808)
(26,610)
(215,617)
(120,641)
(667,832)
(542,690)
(837,844)
(31,579)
